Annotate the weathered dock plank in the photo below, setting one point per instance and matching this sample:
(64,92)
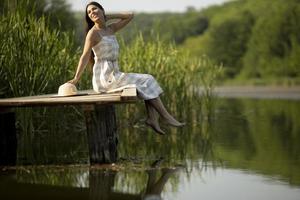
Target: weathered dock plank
(84,97)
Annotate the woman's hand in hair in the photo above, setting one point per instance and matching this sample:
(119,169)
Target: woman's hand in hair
(124,17)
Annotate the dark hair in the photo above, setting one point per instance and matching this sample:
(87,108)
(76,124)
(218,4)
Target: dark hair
(90,23)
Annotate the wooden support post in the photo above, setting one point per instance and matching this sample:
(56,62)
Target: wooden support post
(102,133)
(8,138)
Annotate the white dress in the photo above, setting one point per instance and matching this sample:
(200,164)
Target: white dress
(107,77)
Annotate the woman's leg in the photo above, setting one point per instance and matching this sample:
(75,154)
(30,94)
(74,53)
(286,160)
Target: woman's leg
(152,119)
(160,108)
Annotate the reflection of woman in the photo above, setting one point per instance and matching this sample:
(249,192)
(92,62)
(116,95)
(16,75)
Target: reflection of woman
(101,42)
(155,184)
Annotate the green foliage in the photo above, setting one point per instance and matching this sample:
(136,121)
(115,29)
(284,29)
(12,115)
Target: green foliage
(252,39)
(274,46)
(165,62)
(228,42)
(34,59)
(57,12)
(172,27)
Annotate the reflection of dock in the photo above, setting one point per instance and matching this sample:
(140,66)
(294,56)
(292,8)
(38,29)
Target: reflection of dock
(258,92)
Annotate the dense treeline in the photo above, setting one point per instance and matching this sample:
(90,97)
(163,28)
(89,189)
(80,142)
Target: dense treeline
(253,39)
(169,26)
(259,39)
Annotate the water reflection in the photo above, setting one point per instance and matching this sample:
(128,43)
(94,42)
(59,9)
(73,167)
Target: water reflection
(260,136)
(108,183)
(78,182)
(255,140)
(156,183)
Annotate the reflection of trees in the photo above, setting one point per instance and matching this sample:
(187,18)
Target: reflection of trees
(233,127)
(54,175)
(260,135)
(59,182)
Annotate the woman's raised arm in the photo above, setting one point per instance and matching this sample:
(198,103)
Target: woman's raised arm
(124,17)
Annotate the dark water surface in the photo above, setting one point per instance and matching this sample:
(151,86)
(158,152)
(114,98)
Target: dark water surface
(233,149)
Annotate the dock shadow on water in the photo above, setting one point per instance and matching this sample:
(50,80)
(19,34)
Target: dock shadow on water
(241,148)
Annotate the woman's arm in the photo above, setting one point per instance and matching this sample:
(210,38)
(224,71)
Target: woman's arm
(125,18)
(84,59)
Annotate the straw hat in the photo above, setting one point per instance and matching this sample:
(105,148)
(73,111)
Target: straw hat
(67,89)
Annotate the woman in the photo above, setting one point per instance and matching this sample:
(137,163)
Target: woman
(101,43)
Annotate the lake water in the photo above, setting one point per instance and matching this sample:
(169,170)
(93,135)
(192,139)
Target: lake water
(231,149)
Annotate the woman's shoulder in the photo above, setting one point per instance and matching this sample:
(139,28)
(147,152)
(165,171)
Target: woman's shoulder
(92,31)
(92,34)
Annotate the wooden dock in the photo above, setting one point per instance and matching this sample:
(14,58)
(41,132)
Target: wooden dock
(83,97)
(99,114)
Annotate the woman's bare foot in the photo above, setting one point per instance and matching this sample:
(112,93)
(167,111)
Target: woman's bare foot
(160,108)
(155,126)
(173,122)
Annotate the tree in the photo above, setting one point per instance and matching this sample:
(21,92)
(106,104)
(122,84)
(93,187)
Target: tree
(274,47)
(228,42)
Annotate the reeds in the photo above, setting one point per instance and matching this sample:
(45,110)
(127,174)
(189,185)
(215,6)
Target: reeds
(173,69)
(33,59)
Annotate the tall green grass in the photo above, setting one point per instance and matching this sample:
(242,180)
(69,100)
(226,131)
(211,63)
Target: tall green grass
(33,58)
(175,70)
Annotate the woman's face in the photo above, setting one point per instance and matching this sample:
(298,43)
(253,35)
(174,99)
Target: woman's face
(95,13)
